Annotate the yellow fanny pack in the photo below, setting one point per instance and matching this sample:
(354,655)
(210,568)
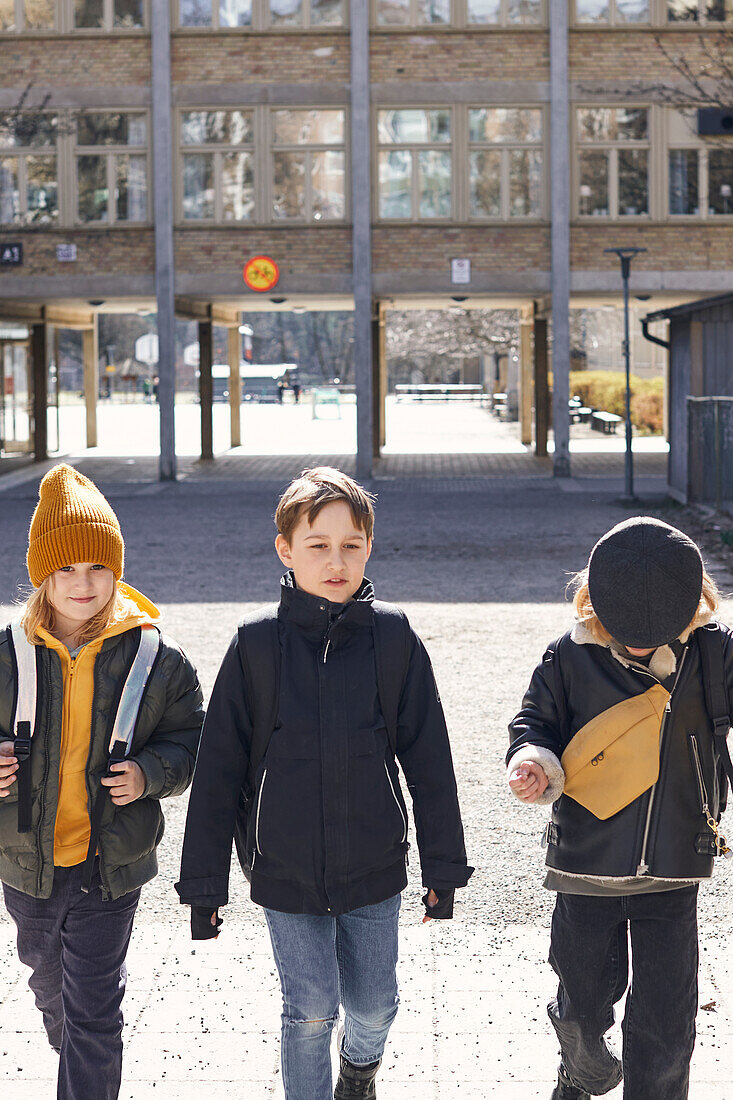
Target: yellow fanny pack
(614,758)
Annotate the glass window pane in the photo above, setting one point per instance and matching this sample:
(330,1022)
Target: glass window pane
(393,12)
(592,11)
(198,185)
(631,123)
(211,127)
(9,194)
(682,11)
(683,196)
(485,182)
(286,13)
(308,127)
(128,13)
(237,185)
(328,186)
(39,15)
(498,124)
(27,129)
(596,124)
(433,11)
(719,11)
(632,11)
(132,189)
(195,13)
(484,11)
(7,15)
(110,129)
(410,126)
(235,13)
(720,181)
(89,13)
(288,200)
(434,166)
(526,12)
(633,185)
(327,13)
(593,183)
(395,184)
(525,183)
(91,174)
(41,189)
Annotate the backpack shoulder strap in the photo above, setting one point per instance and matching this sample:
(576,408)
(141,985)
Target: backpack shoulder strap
(258,641)
(392,637)
(710,645)
(25,655)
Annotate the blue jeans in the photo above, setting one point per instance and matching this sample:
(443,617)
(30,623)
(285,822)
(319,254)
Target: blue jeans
(323,962)
(589,953)
(75,945)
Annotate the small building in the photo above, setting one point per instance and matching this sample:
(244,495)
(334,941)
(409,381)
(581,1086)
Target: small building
(700,366)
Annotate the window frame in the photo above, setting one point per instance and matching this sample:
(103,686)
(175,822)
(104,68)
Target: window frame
(694,24)
(261,21)
(675,138)
(111,152)
(458,20)
(613,19)
(612,146)
(413,148)
(505,148)
(21,153)
(20,28)
(306,148)
(108,26)
(214,148)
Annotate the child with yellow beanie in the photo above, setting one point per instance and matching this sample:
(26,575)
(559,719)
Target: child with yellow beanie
(100,718)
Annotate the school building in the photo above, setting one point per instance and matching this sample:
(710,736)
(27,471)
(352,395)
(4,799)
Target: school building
(385,154)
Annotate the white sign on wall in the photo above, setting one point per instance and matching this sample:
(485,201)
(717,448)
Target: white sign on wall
(460,271)
(65,253)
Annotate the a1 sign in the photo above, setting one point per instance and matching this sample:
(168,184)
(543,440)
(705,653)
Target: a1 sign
(11,255)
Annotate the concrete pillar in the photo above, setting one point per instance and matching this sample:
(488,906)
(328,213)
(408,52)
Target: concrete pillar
(526,373)
(206,388)
(541,389)
(235,387)
(90,355)
(361,236)
(162,138)
(39,371)
(560,232)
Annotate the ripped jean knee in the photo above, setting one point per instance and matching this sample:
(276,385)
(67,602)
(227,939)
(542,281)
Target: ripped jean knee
(312,1028)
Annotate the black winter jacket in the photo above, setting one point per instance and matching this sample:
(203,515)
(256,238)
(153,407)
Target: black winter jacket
(326,828)
(664,832)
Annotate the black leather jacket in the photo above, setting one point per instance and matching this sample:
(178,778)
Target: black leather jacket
(664,832)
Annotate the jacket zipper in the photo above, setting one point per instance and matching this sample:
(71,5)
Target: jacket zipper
(257,815)
(643,867)
(700,778)
(394,795)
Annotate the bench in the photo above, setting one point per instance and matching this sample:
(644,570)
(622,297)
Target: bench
(605,422)
(439,391)
(326,396)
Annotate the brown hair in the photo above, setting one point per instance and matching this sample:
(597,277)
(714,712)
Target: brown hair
(39,612)
(584,613)
(313,490)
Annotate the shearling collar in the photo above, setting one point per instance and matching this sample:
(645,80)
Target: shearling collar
(663,661)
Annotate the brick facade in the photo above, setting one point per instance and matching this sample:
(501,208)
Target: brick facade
(259,59)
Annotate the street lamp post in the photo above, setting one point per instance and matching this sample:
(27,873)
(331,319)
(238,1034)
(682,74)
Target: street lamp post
(626,255)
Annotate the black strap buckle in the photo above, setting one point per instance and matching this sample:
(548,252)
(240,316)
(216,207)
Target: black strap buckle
(22,741)
(721,726)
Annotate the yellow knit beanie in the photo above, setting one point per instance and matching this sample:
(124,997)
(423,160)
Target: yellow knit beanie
(72,523)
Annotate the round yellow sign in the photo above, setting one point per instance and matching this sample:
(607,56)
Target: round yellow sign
(261,273)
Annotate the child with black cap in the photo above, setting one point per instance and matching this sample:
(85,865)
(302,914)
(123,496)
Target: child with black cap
(616,731)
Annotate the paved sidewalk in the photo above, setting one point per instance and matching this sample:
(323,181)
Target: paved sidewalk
(480,565)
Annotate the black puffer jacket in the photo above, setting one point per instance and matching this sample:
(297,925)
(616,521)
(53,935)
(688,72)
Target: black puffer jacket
(663,833)
(327,829)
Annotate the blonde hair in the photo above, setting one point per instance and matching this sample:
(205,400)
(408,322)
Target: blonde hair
(584,613)
(313,490)
(39,613)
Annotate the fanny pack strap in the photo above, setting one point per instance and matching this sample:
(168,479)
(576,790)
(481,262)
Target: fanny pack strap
(710,645)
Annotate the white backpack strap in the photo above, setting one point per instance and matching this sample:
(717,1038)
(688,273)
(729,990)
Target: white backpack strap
(132,693)
(25,718)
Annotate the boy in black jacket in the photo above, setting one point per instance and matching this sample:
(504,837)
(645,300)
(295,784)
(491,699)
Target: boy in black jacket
(320,821)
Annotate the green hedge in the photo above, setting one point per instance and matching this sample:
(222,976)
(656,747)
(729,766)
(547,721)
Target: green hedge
(607,390)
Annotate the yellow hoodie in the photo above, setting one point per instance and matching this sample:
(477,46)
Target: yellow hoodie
(73,827)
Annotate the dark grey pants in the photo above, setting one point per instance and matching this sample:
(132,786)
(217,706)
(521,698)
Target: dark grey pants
(589,954)
(75,945)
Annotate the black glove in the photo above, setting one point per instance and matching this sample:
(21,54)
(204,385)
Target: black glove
(443,908)
(201,926)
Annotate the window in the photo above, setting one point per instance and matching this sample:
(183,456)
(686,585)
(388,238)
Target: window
(308,165)
(505,162)
(411,13)
(472,13)
(111,167)
(219,14)
(684,181)
(699,11)
(613,162)
(108,14)
(218,166)
(261,14)
(306,13)
(612,12)
(414,163)
(28,15)
(720,181)
(28,172)
(504,12)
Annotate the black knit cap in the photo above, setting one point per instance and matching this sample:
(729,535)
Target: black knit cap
(645,582)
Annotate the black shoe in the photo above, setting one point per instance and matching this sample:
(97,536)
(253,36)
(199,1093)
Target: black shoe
(356,1082)
(566,1090)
